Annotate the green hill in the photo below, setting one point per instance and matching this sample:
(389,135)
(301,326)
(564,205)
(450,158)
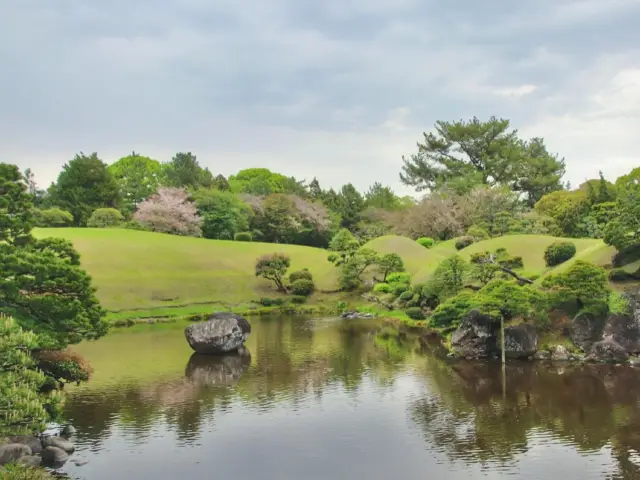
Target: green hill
(143,270)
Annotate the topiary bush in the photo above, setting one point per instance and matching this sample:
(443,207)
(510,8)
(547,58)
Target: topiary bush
(621,275)
(559,252)
(382,288)
(477,233)
(399,277)
(52,218)
(64,365)
(399,288)
(415,313)
(406,295)
(104,218)
(463,242)
(303,274)
(243,237)
(298,299)
(426,242)
(302,287)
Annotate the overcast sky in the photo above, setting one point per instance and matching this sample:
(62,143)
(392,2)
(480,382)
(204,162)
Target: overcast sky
(339,89)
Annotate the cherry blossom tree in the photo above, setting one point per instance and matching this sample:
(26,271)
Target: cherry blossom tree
(169,211)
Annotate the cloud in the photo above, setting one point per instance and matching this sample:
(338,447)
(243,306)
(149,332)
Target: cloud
(333,89)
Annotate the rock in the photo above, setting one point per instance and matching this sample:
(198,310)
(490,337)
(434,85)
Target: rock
(542,355)
(58,442)
(54,457)
(12,452)
(520,341)
(30,461)
(353,315)
(222,333)
(634,361)
(218,370)
(625,331)
(80,463)
(31,441)
(68,431)
(586,329)
(559,353)
(608,351)
(475,337)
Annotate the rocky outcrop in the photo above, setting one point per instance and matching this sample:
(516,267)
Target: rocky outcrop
(353,315)
(217,370)
(475,337)
(586,329)
(54,457)
(58,442)
(608,351)
(12,452)
(31,441)
(625,331)
(222,333)
(520,341)
(51,451)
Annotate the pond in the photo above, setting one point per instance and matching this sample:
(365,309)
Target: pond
(331,399)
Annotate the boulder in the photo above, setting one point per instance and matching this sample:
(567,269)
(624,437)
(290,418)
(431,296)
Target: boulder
(355,315)
(12,452)
(586,329)
(475,337)
(31,441)
(222,333)
(625,331)
(559,353)
(217,370)
(520,341)
(30,461)
(58,442)
(608,351)
(54,457)
(68,431)
(542,355)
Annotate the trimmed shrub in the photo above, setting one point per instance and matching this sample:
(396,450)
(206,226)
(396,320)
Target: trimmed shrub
(463,242)
(104,218)
(303,287)
(52,217)
(243,237)
(64,365)
(426,242)
(415,313)
(298,299)
(399,288)
(303,274)
(477,233)
(399,277)
(382,288)
(621,275)
(406,295)
(559,252)
(133,225)
(265,302)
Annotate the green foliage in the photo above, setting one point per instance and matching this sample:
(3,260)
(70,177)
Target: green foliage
(399,277)
(559,252)
(303,274)
(621,275)
(104,218)
(348,204)
(184,171)
(583,284)
(415,313)
(243,237)
(85,184)
(477,233)
(23,472)
(619,304)
(389,264)
(382,288)
(398,288)
(52,218)
(345,245)
(449,277)
(268,302)
(264,182)
(379,196)
(463,242)
(302,287)
(273,267)
(451,312)
(137,177)
(567,208)
(299,299)
(406,295)
(426,242)
(16,207)
(623,231)
(64,365)
(224,213)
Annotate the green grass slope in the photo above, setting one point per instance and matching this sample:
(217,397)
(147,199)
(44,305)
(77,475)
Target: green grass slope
(142,270)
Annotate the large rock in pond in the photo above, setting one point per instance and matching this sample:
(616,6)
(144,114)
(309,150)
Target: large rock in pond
(586,329)
(520,341)
(31,441)
(625,331)
(475,337)
(222,333)
(54,457)
(217,370)
(58,442)
(607,351)
(12,452)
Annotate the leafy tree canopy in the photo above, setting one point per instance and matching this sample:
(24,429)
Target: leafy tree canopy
(184,171)
(262,182)
(16,206)
(137,177)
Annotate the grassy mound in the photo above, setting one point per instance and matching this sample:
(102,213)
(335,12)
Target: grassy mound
(143,270)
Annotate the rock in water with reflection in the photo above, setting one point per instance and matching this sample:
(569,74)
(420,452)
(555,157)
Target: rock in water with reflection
(222,333)
(475,337)
(217,370)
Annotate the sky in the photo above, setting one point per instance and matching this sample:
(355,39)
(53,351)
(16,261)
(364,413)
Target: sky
(337,89)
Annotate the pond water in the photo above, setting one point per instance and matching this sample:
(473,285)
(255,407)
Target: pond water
(330,399)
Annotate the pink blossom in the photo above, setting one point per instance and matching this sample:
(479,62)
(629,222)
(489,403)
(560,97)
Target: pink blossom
(170,211)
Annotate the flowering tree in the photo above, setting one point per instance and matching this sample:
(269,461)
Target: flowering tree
(169,211)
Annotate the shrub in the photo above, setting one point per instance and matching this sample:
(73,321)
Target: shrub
(382,288)
(273,267)
(303,274)
(449,313)
(415,313)
(302,287)
(399,277)
(64,365)
(298,299)
(559,252)
(243,237)
(52,217)
(426,242)
(463,242)
(399,288)
(406,295)
(104,218)
(134,225)
(583,284)
(265,302)
(477,233)
(619,304)
(620,275)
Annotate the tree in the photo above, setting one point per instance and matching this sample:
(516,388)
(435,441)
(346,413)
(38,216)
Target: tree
(85,184)
(104,218)
(184,171)
(221,183)
(170,211)
(390,263)
(274,267)
(263,182)
(380,196)
(567,208)
(314,189)
(449,277)
(349,204)
(276,218)
(345,245)
(137,177)
(623,231)
(224,213)
(583,283)
(465,154)
(16,207)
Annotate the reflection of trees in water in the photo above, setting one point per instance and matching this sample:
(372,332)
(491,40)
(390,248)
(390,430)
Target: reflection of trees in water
(467,417)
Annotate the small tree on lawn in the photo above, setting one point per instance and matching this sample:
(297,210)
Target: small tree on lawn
(274,267)
(170,211)
(390,263)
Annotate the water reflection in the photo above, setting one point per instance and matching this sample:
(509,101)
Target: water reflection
(332,397)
